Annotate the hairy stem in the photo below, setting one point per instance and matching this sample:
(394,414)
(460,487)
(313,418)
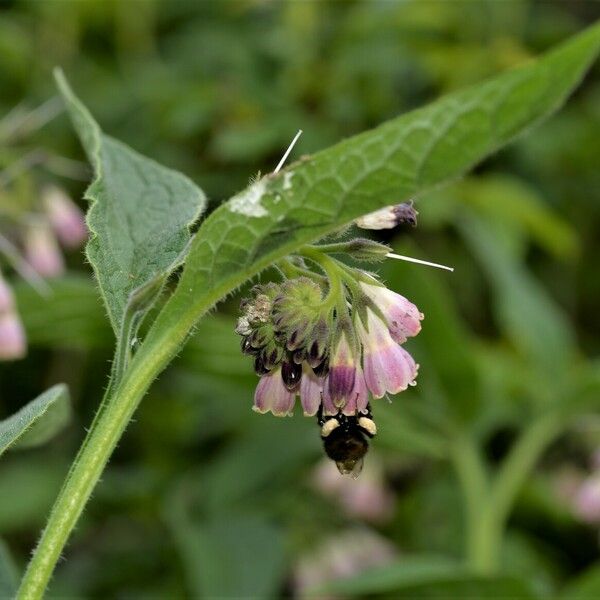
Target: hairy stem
(107,428)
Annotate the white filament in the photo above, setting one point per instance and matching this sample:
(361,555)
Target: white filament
(287,152)
(419,261)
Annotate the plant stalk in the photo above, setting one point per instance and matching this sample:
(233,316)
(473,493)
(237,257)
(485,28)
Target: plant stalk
(488,533)
(101,440)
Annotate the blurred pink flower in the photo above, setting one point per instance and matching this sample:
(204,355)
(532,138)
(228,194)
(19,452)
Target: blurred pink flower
(42,251)
(367,498)
(13,343)
(66,218)
(12,337)
(586,503)
(341,556)
(388,367)
(402,316)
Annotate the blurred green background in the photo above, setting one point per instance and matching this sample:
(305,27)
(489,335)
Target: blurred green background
(203,497)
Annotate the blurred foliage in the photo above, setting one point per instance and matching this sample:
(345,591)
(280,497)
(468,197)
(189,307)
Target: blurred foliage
(204,497)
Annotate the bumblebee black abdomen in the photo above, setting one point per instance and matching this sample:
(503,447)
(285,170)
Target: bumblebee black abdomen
(345,439)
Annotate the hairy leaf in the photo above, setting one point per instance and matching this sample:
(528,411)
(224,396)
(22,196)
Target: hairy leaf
(139,217)
(396,161)
(37,421)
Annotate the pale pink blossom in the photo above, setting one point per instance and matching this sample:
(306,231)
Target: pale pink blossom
(272,396)
(388,367)
(355,402)
(311,390)
(367,497)
(402,316)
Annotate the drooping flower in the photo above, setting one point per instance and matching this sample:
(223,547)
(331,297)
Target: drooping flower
(334,343)
(311,391)
(330,361)
(388,367)
(355,401)
(272,395)
(342,370)
(402,316)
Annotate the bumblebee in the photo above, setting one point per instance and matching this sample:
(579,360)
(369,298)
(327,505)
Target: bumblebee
(345,439)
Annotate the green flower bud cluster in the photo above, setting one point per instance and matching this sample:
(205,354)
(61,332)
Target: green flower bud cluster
(286,324)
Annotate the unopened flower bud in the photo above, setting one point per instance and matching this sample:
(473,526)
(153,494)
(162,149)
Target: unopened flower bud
(389,217)
(365,250)
(66,218)
(291,373)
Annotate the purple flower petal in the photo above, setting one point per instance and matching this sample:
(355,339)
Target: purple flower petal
(402,316)
(272,395)
(311,388)
(359,397)
(388,367)
(342,372)
(329,408)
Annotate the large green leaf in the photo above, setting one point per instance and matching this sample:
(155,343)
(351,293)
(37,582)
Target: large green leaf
(139,217)
(37,421)
(398,160)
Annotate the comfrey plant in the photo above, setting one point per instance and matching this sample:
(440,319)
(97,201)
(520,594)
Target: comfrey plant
(328,333)
(334,340)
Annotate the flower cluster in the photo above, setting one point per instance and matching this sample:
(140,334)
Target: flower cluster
(333,341)
(38,234)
